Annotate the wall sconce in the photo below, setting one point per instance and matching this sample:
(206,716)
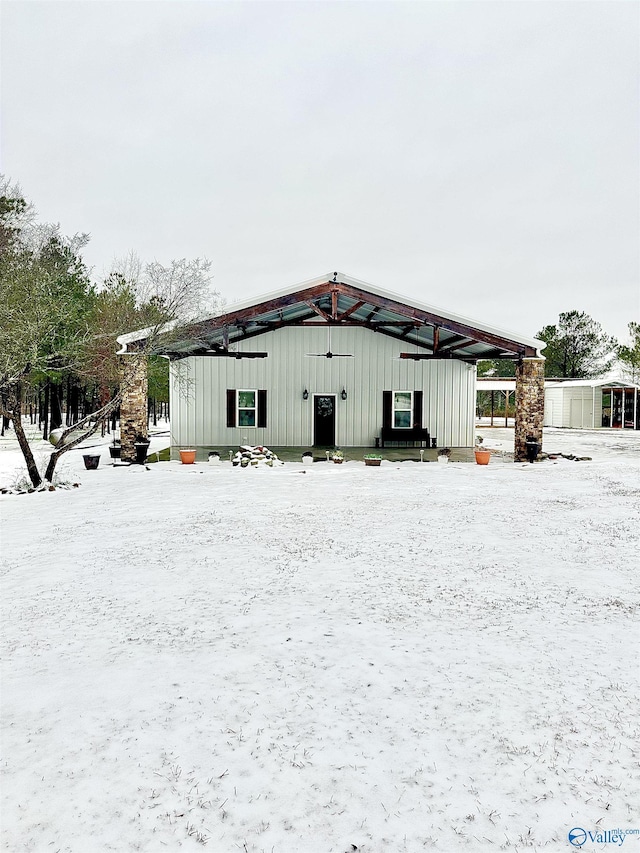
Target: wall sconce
(344,394)
(305,394)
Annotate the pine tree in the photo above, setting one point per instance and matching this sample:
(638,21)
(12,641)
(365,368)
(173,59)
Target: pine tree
(577,347)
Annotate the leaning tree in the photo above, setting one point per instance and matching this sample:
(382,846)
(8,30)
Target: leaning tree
(54,322)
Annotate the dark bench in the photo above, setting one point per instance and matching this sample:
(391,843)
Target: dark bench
(407,435)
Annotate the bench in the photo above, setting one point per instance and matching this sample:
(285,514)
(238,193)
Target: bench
(407,435)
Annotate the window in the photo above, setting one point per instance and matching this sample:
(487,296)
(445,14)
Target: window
(247,408)
(402,409)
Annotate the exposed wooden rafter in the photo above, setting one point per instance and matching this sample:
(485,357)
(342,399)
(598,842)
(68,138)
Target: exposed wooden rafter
(433,319)
(210,353)
(449,337)
(427,356)
(350,311)
(318,310)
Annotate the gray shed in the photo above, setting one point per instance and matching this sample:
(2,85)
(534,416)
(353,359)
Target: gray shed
(592,403)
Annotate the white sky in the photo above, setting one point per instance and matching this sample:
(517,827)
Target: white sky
(467,154)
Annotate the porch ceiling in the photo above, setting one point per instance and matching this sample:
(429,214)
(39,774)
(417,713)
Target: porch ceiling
(422,331)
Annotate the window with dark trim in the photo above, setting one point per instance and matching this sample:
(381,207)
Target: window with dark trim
(402,409)
(402,417)
(246,408)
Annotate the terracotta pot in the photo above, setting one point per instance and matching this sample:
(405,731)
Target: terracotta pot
(187,457)
(482,457)
(372,463)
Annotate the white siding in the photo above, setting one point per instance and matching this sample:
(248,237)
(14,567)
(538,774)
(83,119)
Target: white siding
(574,407)
(198,414)
(553,402)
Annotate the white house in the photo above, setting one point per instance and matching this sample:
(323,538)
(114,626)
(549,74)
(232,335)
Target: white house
(335,362)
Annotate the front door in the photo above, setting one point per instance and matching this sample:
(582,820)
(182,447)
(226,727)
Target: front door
(324,420)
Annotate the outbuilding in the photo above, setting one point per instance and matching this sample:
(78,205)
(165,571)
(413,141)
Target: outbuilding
(592,403)
(336,362)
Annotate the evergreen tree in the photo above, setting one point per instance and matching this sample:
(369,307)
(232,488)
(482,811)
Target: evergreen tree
(55,325)
(629,356)
(499,367)
(577,347)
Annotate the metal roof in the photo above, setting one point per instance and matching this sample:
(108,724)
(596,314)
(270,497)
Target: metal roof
(339,300)
(593,383)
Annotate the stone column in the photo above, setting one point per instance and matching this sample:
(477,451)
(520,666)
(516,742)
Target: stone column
(133,408)
(529,404)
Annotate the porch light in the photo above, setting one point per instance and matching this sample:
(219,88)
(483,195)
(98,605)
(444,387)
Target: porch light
(344,394)
(305,394)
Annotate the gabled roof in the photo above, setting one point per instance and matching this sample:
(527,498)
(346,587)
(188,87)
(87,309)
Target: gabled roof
(488,383)
(339,300)
(594,383)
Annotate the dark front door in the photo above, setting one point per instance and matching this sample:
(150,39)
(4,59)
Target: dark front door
(324,420)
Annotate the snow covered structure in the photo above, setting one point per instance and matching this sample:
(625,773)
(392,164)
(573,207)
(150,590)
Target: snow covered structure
(592,403)
(336,361)
(573,403)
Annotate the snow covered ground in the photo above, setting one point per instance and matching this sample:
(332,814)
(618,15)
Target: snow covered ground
(324,659)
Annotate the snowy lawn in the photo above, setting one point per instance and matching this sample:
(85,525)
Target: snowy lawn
(405,658)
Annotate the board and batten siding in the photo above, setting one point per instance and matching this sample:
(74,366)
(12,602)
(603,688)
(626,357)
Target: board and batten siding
(574,407)
(199,385)
(553,402)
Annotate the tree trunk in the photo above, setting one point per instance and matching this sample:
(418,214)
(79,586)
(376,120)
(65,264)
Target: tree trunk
(45,430)
(15,413)
(56,407)
(67,418)
(86,429)
(5,419)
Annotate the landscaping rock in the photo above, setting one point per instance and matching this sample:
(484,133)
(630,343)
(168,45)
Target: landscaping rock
(248,456)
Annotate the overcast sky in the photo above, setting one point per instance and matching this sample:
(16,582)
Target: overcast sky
(479,156)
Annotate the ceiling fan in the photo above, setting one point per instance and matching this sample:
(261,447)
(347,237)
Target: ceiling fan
(328,353)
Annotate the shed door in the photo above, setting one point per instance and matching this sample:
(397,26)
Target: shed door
(575,414)
(324,420)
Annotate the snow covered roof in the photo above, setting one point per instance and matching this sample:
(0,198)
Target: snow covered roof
(593,383)
(491,384)
(483,384)
(339,299)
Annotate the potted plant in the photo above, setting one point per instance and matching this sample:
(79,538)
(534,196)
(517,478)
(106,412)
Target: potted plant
(214,457)
(141,445)
(443,454)
(307,458)
(532,448)
(372,459)
(482,454)
(115,449)
(338,457)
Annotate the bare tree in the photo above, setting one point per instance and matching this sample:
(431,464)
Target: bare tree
(55,322)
